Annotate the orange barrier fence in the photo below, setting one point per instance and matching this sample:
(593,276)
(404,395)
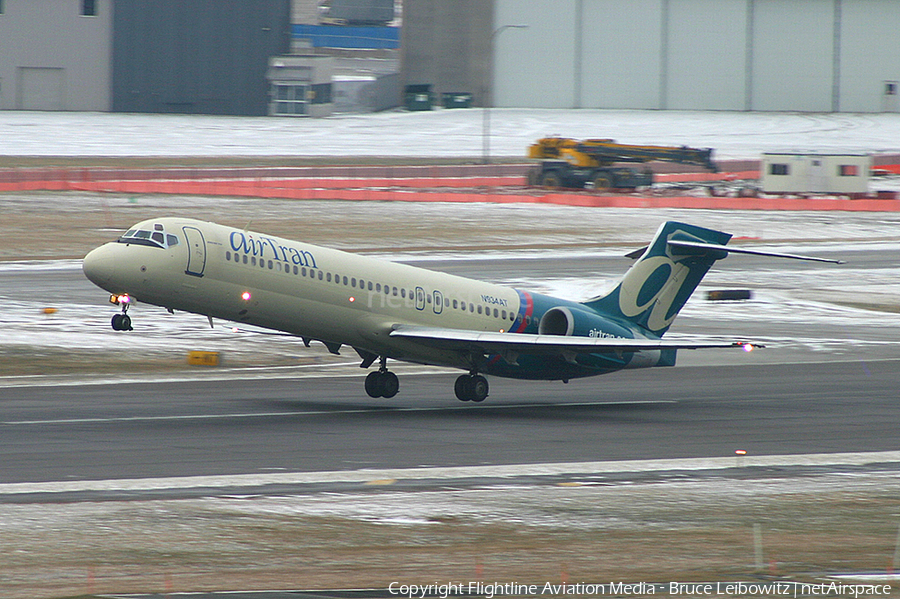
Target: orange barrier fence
(493,195)
(472,183)
(203,186)
(347,172)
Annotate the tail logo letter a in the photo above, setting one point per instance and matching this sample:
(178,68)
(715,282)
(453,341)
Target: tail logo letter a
(652,284)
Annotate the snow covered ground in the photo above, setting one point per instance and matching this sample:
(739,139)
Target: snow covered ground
(459,133)
(47,545)
(801,311)
(440,133)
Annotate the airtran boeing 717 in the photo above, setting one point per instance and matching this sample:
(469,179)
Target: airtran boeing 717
(387,310)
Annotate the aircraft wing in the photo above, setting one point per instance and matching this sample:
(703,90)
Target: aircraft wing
(490,342)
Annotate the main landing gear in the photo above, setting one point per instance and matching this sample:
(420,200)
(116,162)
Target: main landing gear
(471,387)
(382,382)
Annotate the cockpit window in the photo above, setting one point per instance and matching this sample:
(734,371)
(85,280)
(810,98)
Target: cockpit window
(155,238)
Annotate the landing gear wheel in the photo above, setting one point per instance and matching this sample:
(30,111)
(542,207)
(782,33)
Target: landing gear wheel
(121,322)
(382,384)
(390,384)
(471,387)
(461,387)
(479,388)
(373,384)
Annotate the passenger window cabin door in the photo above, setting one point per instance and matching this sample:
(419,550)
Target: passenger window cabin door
(438,304)
(196,263)
(420,298)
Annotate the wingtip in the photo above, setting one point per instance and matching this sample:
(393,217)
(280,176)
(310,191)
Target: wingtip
(748,346)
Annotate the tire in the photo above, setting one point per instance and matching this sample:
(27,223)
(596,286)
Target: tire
(121,322)
(375,384)
(390,384)
(602,183)
(479,387)
(462,388)
(551,180)
(471,388)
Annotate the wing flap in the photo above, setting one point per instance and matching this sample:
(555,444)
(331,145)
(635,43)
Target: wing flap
(520,343)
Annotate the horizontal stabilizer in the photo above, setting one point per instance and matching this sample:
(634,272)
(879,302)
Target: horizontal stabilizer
(703,248)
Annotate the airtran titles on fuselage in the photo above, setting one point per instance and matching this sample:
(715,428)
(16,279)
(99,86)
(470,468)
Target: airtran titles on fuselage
(270,248)
(598,334)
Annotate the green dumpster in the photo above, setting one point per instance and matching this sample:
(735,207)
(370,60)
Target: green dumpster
(418,97)
(456,99)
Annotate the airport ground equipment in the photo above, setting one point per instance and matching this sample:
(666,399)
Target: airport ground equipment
(597,162)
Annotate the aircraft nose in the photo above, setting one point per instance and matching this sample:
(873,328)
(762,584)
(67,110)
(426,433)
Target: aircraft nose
(99,265)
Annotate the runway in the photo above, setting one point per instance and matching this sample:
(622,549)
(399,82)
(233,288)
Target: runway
(826,382)
(123,470)
(237,427)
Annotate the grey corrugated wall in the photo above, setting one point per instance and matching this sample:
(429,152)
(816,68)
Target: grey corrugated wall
(196,56)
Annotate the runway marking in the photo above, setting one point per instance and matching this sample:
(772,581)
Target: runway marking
(445,473)
(225,374)
(375,409)
(296,372)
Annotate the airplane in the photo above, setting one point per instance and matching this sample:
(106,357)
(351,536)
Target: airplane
(385,310)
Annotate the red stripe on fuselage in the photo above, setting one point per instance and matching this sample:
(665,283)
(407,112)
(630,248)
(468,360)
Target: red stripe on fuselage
(524,316)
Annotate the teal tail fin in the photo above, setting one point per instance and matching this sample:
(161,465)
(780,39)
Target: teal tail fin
(658,285)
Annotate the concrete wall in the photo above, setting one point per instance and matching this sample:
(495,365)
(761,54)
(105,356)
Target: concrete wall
(707,71)
(52,58)
(535,67)
(444,43)
(792,55)
(870,55)
(806,55)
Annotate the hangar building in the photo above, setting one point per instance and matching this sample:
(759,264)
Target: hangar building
(188,56)
(767,55)
(213,56)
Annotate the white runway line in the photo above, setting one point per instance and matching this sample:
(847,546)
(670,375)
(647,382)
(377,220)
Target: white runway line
(451,473)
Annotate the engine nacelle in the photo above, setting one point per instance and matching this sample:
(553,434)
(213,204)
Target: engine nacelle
(579,323)
(569,321)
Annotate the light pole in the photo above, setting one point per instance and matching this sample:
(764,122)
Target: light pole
(489,94)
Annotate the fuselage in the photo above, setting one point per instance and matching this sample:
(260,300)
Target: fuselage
(336,297)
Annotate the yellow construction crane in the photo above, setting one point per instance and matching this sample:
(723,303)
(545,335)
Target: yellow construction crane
(573,163)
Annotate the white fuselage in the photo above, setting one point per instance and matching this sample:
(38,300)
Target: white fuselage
(388,310)
(309,291)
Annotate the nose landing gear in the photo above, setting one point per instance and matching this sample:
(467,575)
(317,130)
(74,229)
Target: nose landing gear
(121,322)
